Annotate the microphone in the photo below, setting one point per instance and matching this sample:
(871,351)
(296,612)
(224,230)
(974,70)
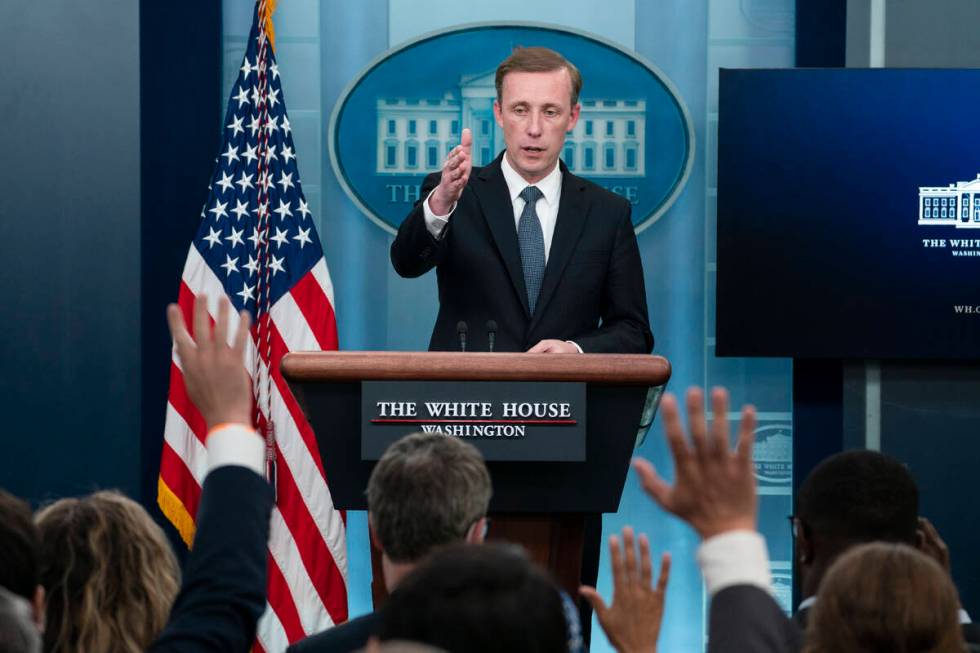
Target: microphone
(491,333)
(461,330)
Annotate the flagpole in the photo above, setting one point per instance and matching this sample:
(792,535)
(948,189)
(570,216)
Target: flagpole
(263,400)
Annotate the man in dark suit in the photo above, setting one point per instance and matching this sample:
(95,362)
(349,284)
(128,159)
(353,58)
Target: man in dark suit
(550,258)
(222,594)
(427,491)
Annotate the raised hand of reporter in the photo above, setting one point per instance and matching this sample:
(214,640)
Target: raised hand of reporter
(929,542)
(714,487)
(632,622)
(214,370)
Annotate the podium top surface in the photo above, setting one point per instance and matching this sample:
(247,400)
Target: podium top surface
(348,366)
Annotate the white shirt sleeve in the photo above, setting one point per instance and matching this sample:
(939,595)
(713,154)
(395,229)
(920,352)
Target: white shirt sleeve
(735,558)
(236,444)
(435,224)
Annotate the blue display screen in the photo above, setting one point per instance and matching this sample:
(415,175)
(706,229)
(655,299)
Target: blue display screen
(848,213)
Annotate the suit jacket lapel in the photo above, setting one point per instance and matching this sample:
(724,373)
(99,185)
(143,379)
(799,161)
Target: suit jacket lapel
(572,209)
(494,198)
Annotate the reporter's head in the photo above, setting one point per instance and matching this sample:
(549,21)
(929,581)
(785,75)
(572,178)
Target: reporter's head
(860,496)
(427,490)
(478,599)
(848,499)
(108,572)
(885,597)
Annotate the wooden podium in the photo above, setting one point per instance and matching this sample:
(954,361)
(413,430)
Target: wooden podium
(541,505)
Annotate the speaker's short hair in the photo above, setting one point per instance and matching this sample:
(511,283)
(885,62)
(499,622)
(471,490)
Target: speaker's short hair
(537,60)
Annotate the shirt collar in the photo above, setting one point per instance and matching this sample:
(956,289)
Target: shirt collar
(549,186)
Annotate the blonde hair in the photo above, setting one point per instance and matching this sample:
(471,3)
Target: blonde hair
(109,575)
(885,597)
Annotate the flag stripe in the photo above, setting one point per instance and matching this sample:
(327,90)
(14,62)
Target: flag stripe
(271,635)
(179,479)
(309,605)
(322,276)
(180,438)
(316,308)
(297,335)
(182,404)
(282,603)
(320,566)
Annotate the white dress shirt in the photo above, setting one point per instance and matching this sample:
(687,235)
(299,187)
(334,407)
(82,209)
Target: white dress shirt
(546,207)
(735,558)
(235,444)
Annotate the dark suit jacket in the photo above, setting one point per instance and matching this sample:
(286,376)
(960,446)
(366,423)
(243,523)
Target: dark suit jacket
(223,591)
(971,634)
(350,636)
(746,619)
(593,274)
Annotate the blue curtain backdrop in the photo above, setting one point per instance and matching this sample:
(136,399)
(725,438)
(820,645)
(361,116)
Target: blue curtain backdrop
(321,47)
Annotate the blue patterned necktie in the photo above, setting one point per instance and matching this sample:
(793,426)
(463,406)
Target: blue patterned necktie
(531,240)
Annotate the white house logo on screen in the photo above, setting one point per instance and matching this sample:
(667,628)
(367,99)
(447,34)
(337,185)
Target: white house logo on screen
(397,121)
(773,458)
(956,205)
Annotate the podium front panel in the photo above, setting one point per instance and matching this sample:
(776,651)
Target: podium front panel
(594,485)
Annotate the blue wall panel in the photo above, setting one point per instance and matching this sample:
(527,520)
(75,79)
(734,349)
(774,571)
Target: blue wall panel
(70,206)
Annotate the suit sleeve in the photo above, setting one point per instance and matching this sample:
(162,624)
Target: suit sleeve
(746,619)
(414,251)
(625,327)
(223,592)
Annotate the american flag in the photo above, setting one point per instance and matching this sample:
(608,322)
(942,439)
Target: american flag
(258,246)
